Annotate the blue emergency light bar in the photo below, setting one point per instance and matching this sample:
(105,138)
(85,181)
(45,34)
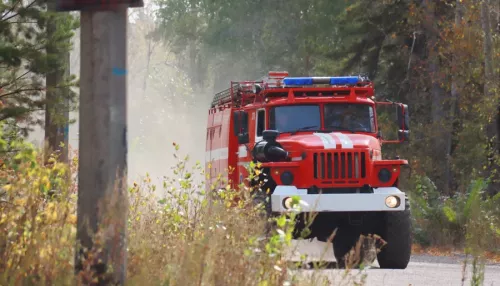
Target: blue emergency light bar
(301,81)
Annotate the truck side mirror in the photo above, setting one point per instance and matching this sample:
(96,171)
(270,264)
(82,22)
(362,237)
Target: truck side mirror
(240,124)
(403,117)
(403,123)
(404,135)
(380,135)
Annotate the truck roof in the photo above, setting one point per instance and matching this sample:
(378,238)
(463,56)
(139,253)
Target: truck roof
(278,88)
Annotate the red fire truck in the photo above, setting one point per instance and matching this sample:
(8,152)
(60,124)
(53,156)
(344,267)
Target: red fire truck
(316,138)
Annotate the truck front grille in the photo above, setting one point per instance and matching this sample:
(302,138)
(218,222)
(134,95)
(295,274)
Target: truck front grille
(339,165)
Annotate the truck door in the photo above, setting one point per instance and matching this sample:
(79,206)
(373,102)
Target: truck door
(256,126)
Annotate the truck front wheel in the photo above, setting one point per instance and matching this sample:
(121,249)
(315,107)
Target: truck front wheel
(344,240)
(396,231)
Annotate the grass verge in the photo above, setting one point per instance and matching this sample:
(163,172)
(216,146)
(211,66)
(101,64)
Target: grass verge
(177,235)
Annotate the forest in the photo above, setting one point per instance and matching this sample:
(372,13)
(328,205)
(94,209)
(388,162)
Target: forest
(440,57)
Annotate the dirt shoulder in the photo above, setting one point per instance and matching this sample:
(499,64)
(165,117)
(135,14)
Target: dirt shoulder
(453,255)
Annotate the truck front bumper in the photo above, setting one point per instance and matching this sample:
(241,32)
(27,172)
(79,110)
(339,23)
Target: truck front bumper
(358,202)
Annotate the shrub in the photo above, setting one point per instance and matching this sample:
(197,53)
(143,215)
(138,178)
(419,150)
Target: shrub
(464,219)
(37,222)
(177,235)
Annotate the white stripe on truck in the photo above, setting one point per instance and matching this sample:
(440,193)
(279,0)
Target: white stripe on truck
(328,141)
(217,154)
(242,151)
(344,140)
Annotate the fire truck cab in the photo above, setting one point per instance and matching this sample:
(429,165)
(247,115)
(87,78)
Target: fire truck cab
(316,138)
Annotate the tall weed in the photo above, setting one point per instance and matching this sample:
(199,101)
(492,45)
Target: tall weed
(177,234)
(448,220)
(468,220)
(37,222)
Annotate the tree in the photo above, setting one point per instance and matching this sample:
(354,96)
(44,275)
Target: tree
(421,52)
(247,38)
(58,95)
(24,61)
(493,126)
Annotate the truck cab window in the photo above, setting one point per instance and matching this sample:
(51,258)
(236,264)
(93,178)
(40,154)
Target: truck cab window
(261,122)
(348,116)
(290,118)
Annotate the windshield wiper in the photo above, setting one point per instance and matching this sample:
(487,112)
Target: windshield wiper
(303,129)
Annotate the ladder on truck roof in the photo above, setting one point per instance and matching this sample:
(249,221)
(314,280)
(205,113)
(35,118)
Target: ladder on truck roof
(240,93)
(243,92)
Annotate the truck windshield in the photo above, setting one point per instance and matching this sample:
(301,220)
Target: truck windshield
(291,118)
(349,116)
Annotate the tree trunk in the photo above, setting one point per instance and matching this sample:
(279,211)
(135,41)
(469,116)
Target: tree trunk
(57,99)
(496,9)
(374,56)
(492,131)
(455,93)
(436,92)
(487,46)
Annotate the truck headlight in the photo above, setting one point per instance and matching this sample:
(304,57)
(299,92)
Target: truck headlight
(392,202)
(287,203)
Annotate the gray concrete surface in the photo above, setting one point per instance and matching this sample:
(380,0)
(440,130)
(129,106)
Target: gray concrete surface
(423,270)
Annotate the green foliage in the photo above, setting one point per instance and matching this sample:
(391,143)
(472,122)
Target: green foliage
(223,37)
(25,60)
(416,53)
(479,217)
(428,54)
(468,219)
(177,235)
(37,219)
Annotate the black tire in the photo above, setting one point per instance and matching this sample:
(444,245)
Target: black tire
(397,233)
(260,188)
(345,239)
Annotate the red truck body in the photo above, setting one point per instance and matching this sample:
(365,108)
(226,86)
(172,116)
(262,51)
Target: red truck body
(318,139)
(350,154)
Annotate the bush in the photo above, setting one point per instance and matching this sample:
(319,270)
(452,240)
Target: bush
(37,223)
(177,235)
(197,240)
(468,219)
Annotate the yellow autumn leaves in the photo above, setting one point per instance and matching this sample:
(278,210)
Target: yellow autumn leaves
(37,221)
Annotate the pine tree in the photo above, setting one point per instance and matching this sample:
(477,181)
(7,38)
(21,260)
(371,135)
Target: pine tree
(24,61)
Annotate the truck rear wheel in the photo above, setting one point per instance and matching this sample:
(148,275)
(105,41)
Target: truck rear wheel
(397,233)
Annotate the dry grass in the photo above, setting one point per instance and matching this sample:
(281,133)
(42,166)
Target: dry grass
(176,234)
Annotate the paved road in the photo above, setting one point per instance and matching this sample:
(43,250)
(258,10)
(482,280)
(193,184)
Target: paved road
(423,270)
